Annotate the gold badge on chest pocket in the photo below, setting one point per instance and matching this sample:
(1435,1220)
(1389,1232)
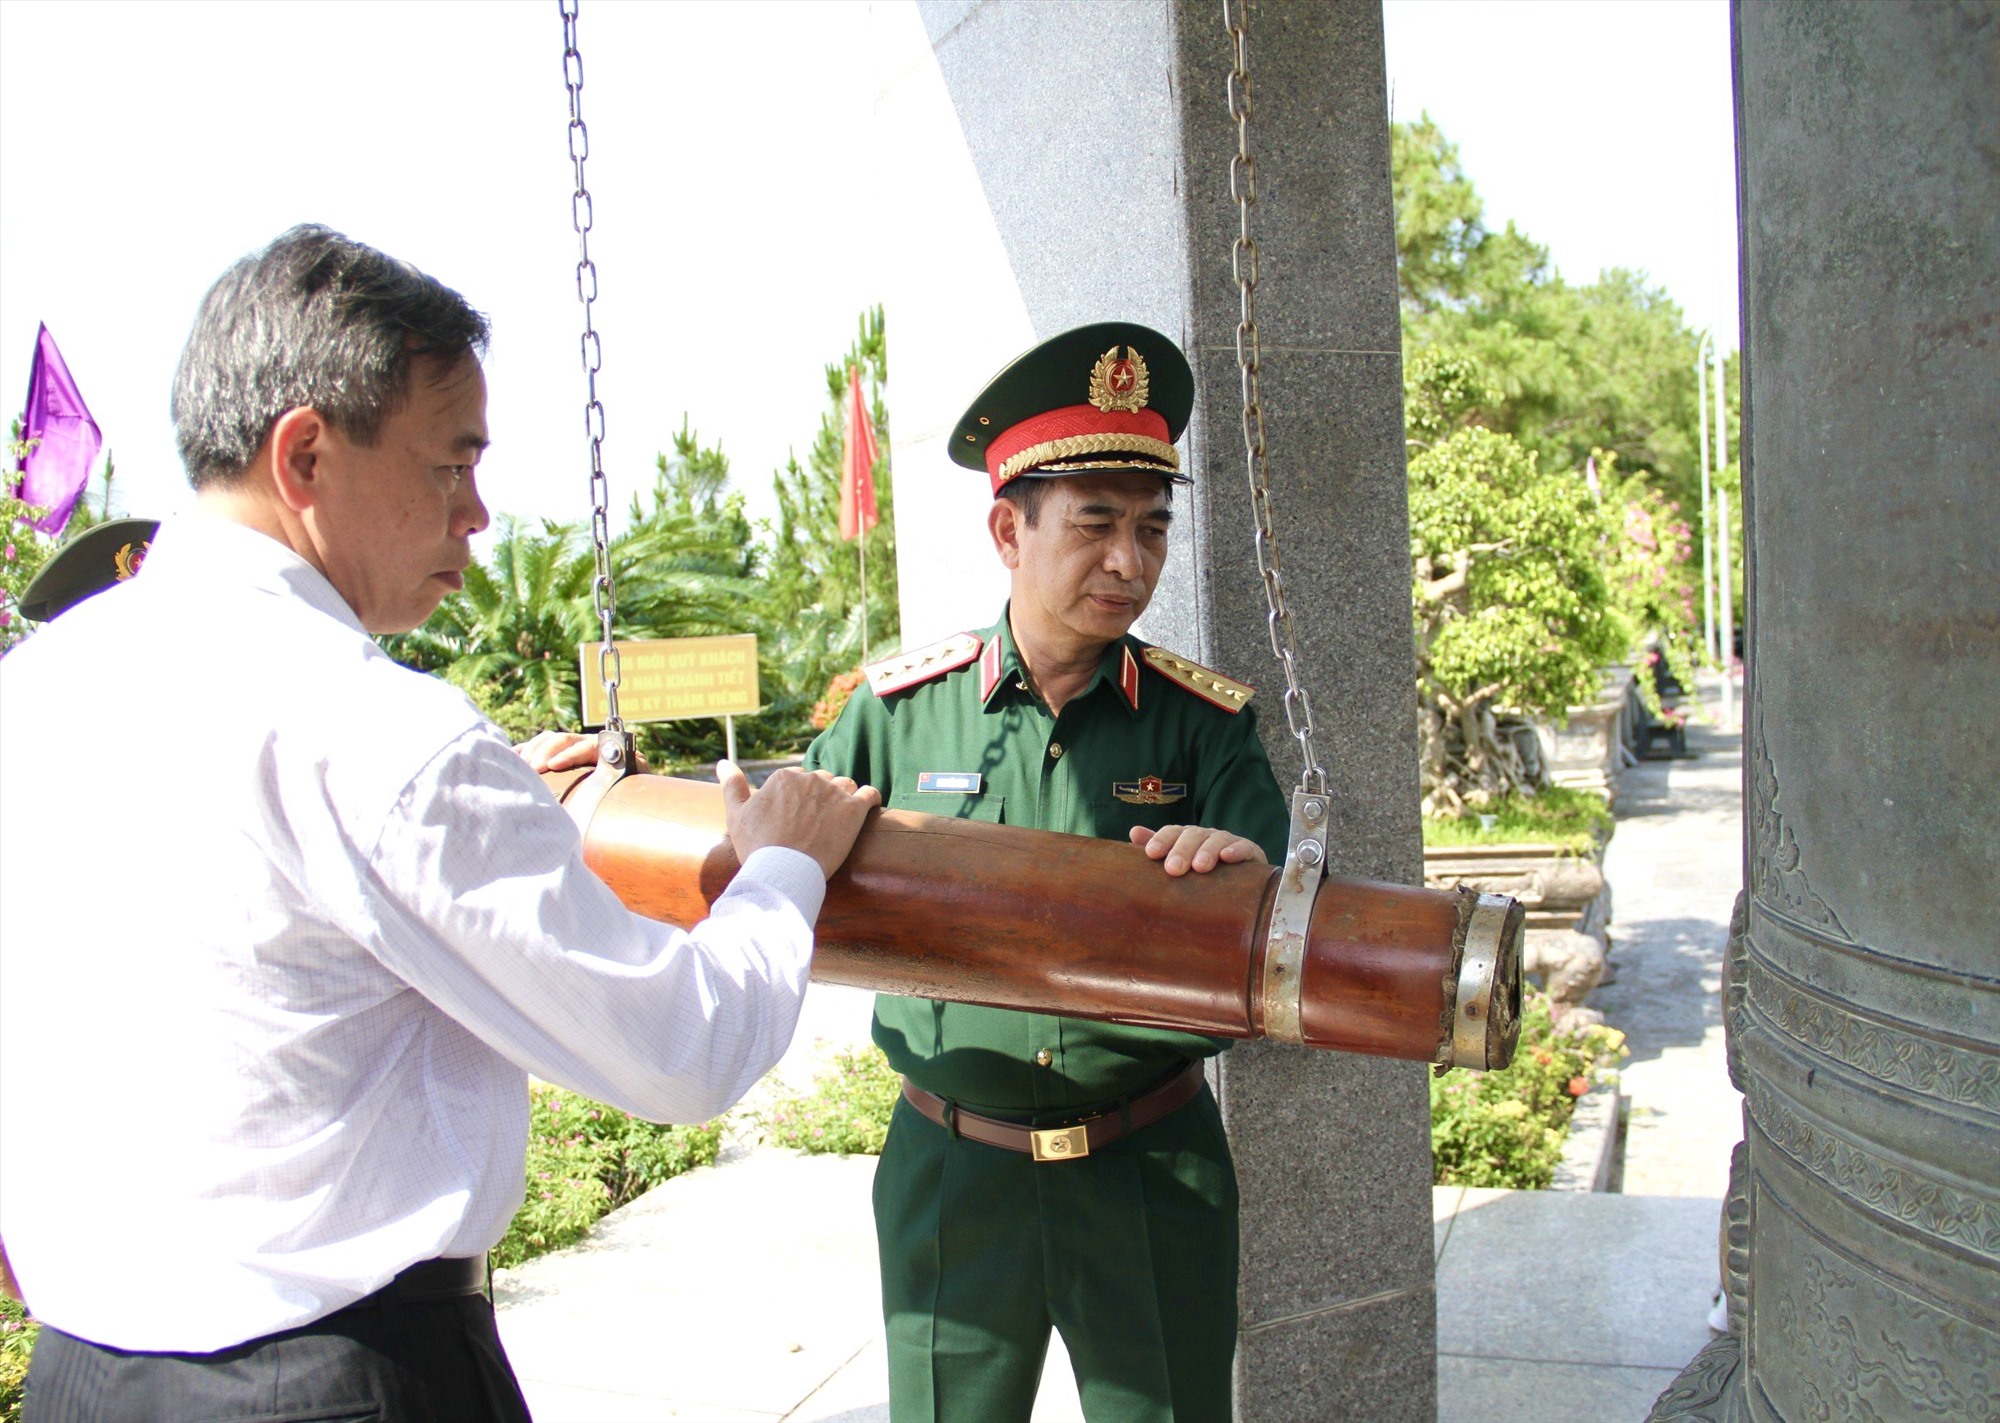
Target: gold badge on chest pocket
(1149,790)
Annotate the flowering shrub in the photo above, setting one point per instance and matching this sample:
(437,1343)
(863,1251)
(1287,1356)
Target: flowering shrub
(838,691)
(1655,583)
(586,1160)
(17,1343)
(847,1111)
(1506,1128)
(23,551)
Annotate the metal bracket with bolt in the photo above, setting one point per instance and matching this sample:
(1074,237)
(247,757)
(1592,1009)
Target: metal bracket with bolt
(1291,915)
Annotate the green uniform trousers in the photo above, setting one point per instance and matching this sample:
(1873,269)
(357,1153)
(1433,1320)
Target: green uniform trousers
(1130,1252)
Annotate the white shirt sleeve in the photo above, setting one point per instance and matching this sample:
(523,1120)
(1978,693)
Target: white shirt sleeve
(483,904)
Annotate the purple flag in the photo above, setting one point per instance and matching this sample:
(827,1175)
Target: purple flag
(55,470)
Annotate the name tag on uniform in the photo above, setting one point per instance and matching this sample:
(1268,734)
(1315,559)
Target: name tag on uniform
(1149,790)
(950,782)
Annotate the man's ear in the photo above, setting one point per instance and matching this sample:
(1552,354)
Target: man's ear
(294,447)
(1003,521)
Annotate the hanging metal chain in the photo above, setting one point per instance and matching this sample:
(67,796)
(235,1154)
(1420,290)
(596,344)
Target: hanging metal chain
(604,593)
(1243,263)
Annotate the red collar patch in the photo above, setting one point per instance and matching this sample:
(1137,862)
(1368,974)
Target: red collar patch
(1128,678)
(989,669)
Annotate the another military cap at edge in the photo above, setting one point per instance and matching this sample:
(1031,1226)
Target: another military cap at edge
(85,566)
(1113,395)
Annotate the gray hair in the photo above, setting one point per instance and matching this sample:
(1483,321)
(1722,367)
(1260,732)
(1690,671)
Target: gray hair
(315,320)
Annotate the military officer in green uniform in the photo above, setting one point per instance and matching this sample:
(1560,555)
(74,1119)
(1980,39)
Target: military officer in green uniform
(1045,1171)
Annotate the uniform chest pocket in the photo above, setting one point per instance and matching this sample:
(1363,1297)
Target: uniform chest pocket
(988,808)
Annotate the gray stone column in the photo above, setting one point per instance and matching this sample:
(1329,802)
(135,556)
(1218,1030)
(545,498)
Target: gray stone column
(1102,141)
(1863,1000)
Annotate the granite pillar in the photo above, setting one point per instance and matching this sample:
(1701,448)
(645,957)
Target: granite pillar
(1102,141)
(1863,981)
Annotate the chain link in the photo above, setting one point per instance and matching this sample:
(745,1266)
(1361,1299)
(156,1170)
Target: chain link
(604,593)
(1243,264)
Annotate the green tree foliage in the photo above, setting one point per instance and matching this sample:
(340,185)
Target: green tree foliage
(1513,610)
(1525,577)
(682,568)
(1654,576)
(508,640)
(688,564)
(24,549)
(812,601)
(1447,258)
(1564,369)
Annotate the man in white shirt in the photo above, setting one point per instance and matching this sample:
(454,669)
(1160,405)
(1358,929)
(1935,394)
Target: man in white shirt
(269,996)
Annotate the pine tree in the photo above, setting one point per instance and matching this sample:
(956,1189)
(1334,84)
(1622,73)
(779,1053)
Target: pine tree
(812,603)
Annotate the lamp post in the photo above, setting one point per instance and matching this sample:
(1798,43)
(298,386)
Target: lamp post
(1723,561)
(1707,520)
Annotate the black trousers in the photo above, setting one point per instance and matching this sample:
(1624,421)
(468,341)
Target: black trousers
(437,1361)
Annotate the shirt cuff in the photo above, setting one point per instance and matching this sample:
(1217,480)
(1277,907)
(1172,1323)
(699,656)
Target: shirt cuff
(788,872)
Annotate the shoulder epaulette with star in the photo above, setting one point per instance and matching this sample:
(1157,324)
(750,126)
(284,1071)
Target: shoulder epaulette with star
(909,669)
(1212,687)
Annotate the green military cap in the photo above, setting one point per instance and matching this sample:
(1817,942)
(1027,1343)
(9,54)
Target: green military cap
(95,559)
(1113,395)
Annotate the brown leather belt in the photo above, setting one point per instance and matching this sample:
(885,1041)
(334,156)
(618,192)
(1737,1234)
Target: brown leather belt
(1065,1143)
(447,1277)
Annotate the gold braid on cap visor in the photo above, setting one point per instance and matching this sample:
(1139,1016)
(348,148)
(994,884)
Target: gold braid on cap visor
(1070,446)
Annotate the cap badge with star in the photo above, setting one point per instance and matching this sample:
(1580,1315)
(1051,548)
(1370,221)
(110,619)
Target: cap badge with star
(1110,396)
(99,557)
(1120,382)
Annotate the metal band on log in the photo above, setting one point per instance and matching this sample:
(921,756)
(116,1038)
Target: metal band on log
(1031,919)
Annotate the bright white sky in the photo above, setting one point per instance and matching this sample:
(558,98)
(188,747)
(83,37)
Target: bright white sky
(740,228)
(1604,129)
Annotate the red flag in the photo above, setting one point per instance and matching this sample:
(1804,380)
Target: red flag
(857,467)
(64,439)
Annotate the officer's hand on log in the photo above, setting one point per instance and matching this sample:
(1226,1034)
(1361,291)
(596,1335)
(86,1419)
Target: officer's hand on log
(562,751)
(1193,847)
(809,811)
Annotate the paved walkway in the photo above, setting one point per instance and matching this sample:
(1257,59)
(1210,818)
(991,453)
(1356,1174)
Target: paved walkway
(748,1291)
(1607,1296)
(1675,866)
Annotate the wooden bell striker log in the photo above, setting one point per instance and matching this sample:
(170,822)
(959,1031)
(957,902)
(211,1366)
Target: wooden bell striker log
(1051,923)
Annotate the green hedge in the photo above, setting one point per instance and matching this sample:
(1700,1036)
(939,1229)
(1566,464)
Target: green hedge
(1578,821)
(1487,1129)
(847,1111)
(1506,1128)
(584,1161)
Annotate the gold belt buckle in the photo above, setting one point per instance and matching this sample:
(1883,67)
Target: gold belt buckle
(1060,1144)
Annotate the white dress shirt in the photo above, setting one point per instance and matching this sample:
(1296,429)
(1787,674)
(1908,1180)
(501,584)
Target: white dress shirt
(283,927)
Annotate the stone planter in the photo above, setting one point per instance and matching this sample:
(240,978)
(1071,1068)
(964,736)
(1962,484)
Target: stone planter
(1588,752)
(1569,910)
(1592,1152)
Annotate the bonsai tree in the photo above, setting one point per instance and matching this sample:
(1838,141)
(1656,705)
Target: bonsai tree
(1512,607)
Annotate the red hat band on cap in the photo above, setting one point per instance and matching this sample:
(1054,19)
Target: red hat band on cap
(1073,431)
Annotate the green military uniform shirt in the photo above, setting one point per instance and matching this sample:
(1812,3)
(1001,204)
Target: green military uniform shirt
(975,743)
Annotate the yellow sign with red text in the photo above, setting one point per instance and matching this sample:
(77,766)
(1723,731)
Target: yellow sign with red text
(675,678)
